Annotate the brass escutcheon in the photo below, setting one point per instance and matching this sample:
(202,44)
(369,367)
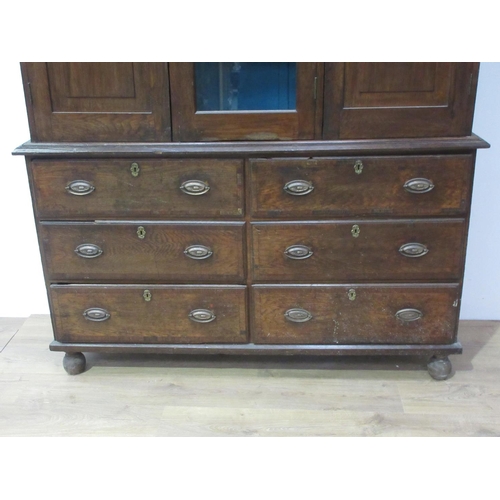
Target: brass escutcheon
(355,230)
(135,169)
(147,295)
(141,232)
(358,166)
(351,294)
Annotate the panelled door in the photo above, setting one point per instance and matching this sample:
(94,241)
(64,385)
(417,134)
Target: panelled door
(245,101)
(403,99)
(88,101)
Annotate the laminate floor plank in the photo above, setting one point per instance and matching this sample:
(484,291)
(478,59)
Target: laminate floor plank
(8,328)
(160,395)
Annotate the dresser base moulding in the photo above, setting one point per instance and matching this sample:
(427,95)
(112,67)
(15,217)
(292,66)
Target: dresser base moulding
(439,366)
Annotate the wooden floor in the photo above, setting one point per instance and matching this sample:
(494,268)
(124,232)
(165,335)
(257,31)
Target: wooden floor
(138,395)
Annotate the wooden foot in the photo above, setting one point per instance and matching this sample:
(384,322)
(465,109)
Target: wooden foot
(74,363)
(439,367)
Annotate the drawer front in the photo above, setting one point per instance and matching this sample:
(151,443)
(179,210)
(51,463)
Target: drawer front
(364,314)
(142,188)
(143,252)
(358,250)
(361,186)
(152,314)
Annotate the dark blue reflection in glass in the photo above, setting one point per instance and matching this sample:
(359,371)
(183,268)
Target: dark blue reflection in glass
(245,86)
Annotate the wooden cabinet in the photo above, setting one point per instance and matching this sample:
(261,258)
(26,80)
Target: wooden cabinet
(291,208)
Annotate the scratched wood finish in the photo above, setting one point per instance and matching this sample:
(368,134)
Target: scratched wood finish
(159,256)
(372,255)
(98,101)
(153,194)
(164,318)
(369,318)
(377,189)
(367,100)
(190,125)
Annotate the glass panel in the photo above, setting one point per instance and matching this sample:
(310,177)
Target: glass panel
(245,86)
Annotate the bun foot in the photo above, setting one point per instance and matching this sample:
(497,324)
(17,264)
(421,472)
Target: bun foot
(439,367)
(74,363)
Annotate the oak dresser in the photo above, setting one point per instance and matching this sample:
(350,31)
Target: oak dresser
(252,208)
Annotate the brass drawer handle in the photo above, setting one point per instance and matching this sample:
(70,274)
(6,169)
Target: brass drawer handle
(88,251)
(298,187)
(298,315)
(96,314)
(202,316)
(418,186)
(198,252)
(413,250)
(80,188)
(407,315)
(194,187)
(298,252)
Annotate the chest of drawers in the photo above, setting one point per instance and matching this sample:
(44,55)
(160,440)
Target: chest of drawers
(344,245)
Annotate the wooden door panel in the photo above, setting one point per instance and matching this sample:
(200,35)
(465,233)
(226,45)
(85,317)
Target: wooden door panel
(80,102)
(192,125)
(391,100)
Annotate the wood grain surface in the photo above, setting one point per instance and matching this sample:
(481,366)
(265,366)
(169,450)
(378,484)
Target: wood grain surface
(154,194)
(377,190)
(140,395)
(158,257)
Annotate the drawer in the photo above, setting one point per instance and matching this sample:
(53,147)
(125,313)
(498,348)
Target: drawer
(143,252)
(364,250)
(361,186)
(355,314)
(152,314)
(156,189)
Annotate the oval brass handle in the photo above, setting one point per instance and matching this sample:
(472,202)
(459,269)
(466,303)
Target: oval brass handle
(88,251)
(418,185)
(96,314)
(202,316)
(406,315)
(80,188)
(194,187)
(413,250)
(298,252)
(198,252)
(298,187)
(298,315)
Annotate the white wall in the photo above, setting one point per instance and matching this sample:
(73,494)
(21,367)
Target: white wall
(22,290)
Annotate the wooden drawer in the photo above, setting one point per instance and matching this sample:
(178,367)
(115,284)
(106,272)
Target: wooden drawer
(143,252)
(161,189)
(355,314)
(173,314)
(360,186)
(364,250)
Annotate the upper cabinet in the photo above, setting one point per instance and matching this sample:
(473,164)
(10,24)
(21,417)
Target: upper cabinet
(98,101)
(391,100)
(244,101)
(209,101)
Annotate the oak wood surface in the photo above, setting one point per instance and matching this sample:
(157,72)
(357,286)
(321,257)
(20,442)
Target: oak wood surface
(158,257)
(155,193)
(164,395)
(164,318)
(377,189)
(389,100)
(202,149)
(373,255)
(192,125)
(98,102)
(368,319)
